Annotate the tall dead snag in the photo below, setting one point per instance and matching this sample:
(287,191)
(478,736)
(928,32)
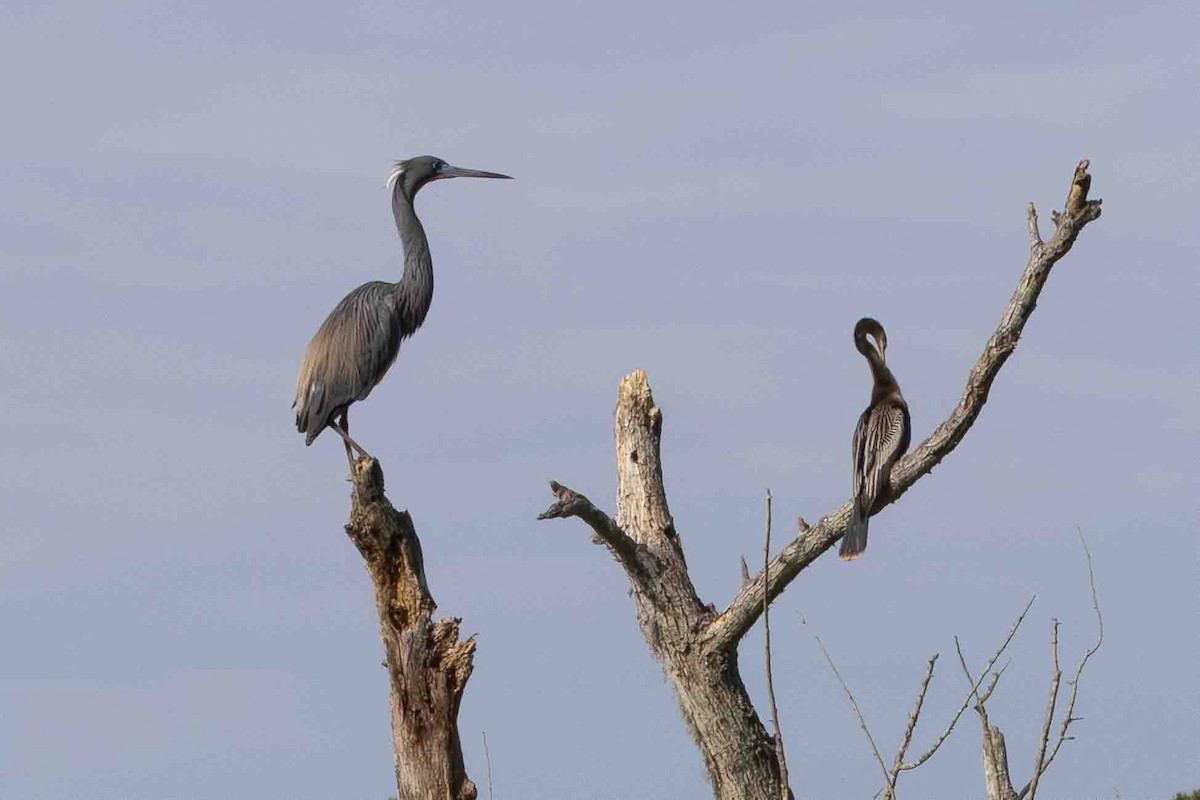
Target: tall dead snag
(697,646)
(427,664)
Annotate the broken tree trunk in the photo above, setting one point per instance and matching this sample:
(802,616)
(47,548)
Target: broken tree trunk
(427,665)
(739,754)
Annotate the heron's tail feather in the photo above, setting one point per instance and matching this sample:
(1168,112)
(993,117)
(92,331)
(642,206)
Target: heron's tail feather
(854,542)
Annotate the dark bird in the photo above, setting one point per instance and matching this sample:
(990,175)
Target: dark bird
(359,340)
(882,436)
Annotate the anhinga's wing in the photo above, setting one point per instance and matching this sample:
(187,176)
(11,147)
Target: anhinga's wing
(881,438)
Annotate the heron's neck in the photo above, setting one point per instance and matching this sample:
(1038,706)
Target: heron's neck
(412,234)
(416,285)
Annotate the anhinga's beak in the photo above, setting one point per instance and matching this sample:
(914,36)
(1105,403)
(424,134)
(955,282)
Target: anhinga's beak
(459,172)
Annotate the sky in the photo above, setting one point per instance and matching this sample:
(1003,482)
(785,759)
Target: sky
(714,194)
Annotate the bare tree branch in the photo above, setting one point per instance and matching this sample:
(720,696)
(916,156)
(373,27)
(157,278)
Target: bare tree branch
(898,763)
(1070,717)
(853,704)
(572,504)
(487,755)
(889,792)
(780,756)
(1044,739)
(730,626)
(974,687)
(971,682)
(996,778)
(987,694)
(995,756)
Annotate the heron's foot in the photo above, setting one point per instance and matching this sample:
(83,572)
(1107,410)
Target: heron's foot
(360,465)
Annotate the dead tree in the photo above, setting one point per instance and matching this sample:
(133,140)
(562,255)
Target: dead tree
(997,782)
(995,755)
(696,645)
(427,665)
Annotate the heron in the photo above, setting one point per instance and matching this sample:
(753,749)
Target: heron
(360,339)
(882,436)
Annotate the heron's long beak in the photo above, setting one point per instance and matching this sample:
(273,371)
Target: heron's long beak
(459,172)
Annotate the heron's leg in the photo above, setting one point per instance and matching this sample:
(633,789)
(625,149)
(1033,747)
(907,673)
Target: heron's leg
(350,443)
(346,440)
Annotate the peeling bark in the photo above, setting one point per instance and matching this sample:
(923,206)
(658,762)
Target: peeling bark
(427,665)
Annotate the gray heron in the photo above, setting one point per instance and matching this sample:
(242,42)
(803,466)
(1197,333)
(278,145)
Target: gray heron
(359,340)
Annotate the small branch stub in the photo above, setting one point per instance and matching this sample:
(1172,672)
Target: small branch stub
(572,504)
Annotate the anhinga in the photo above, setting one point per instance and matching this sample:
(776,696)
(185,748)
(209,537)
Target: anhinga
(882,436)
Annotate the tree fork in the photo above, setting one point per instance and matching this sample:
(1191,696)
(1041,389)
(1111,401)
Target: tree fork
(696,646)
(428,666)
(739,755)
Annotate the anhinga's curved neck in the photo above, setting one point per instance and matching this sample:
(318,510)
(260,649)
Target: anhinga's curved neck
(885,382)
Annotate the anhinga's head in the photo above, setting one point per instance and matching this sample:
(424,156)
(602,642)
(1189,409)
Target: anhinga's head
(410,175)
(870,327)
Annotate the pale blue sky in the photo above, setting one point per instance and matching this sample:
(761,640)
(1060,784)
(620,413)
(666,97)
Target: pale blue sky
(713,194)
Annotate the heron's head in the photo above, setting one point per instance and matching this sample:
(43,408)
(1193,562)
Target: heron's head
(411,174)
(870,327)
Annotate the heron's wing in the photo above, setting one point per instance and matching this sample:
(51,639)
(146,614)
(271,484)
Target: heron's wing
(881,438)
(349,354)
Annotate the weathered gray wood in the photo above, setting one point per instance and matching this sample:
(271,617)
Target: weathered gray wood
(698,647)
(995,764)
(728,628)
(737,752)
(427,665)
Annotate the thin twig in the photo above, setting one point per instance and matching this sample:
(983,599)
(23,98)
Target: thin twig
(987,694)
(974,689)
(980,708)
(488,757)
(779,753)
(1043,740)
(854,704)
(898,762)
(1070,714)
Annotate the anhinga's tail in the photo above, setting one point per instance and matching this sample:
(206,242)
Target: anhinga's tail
(854,542)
